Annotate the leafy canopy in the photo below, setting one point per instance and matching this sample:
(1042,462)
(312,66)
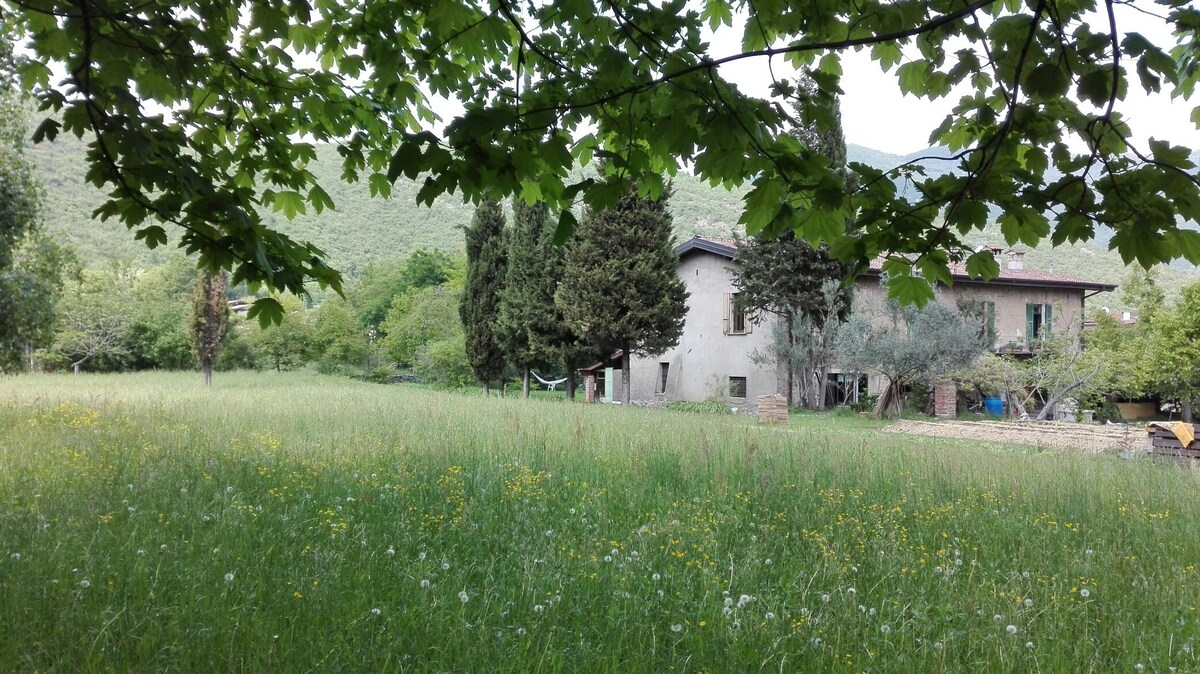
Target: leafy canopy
(200,113)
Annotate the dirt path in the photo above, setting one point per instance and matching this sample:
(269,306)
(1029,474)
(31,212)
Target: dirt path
(1037,433)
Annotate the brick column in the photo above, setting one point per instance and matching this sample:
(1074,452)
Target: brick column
(589,387)
(945,399)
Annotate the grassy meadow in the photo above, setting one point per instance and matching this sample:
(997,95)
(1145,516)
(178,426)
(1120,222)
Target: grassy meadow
(304,523)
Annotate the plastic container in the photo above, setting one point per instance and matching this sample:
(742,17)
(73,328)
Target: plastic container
(994,405)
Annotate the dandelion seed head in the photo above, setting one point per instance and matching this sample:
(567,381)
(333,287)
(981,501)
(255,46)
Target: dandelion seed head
(1089,552)
(391,552)
(816,641)
(1085,593)
(997,617)
(464,597)
(677,628)
(825,598)
(851,591)
(1011,629)
(607,558)
(768,562)
(539,608)
(521,631)
(937,645)
(727,611)
(16,556)
(660,594)
(655,577)
(375,611)
(424,583)
(769,616)
(85,583)
(229,490)
(1029,645)
(229,578)
(162,548)
(141,552)
(728,602)
(871,612)
(421,555)
(1139,667)
(885,629)
(445,566)
(1028,602)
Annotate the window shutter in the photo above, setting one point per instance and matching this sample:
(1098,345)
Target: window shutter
(1046,321)
(749,322)
(725,313)
(1030,326)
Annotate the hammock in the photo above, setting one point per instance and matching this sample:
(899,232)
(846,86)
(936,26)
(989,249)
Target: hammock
(546,382)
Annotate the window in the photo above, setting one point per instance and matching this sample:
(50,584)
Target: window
(1037,322)
(735,321)
(663,368)
(737,387)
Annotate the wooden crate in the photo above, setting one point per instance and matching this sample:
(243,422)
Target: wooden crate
(1162,442)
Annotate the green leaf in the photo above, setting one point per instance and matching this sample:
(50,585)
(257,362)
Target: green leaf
(913,77)
(820,225)
(762,204)
(718,13)
(267,310)
(1187,243)
(291,203)
(566,227)
(983,265)
(154,236)
(909,290)
(47,130)
(1048,81)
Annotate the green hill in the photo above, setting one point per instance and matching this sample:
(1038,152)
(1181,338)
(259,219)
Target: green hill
(363,230)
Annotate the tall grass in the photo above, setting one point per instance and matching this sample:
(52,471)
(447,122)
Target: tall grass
(301,523)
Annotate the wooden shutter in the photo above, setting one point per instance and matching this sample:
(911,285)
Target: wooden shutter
(1046,321)
(725,313)
(1030,325)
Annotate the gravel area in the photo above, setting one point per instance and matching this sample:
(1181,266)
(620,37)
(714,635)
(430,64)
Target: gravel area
(1055,435)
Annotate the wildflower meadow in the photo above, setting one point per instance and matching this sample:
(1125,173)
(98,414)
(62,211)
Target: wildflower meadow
(303,523)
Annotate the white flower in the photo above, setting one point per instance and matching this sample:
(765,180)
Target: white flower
(615,552)
(660,594)
(608,558)
(445,566)
(391,552)
(539,608)
(464,597)
(825,598)
(572,511)
(727,611)
(228,490)
(1089,552)
(676,628)
(141,552)
(216,551)
(851,591)
(1085,593)
(1029,645)
(885,629)
(816,641)
(1139,667)
(937,646)
(16,556)
(958,562)
(997,617)
(1011,629)
(804,611)
(375,611)
(424,583)
(655,577)
(753,538)
(854,569)
(728,602)
(162,548)
(521,631)
(769,616)
(767,562)
(85,583)
(743,600)
(421,555)
(871,612)
(1028,602)
(229,578)
(937,569)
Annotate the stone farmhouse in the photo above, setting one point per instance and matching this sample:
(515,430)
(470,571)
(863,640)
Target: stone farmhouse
(715,357)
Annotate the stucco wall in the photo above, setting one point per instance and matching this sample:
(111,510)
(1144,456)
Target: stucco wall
(701,365)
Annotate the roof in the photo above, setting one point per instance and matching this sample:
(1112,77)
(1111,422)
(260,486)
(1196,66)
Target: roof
(958,270)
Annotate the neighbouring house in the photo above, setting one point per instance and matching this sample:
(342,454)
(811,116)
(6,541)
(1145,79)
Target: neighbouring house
(715,357)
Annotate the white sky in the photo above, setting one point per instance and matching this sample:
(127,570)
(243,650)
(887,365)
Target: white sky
(876,115)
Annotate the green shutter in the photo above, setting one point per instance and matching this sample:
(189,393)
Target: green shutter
(1030,326)
(1046,321)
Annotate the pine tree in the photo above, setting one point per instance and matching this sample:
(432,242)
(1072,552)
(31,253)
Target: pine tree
(531,327)
(782,275)
(621,290)
(479,309)
(210,320)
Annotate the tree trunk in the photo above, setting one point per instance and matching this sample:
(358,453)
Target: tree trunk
(487,390)
(77,366)
(571,383)
(525,382)
(791,375)
(1185,410)
(206,366)
(625,378)
(822,380)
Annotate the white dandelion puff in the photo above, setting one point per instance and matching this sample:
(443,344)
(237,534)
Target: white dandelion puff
(1085,593)
(768,562)
(1028,602)
(608,558)
(937,645)
(229,490)
(655,577)
(851,591)
(85,583)
(769,616)
(445,566)
(141,552)
(464,597)
(229,578)
(825,598)
(727,611)
(375,611)
(871,612)
(1029,645)
(1011,629)
(1140,667)
(16,556)
(660,594)
(816,641)
(521,631)
(676,628)
(539,608)
(424,583)
(1089,552)
(997,617)
(885,629)
(391,552)
(421,555)
(743,600)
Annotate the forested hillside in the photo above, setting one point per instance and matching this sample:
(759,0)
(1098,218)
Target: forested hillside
(363,229)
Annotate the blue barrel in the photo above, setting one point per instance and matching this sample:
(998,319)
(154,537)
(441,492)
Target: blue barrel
(994,405)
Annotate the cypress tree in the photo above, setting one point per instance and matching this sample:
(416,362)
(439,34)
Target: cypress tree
(783,274)
(479,309)
(531,328)
(621,290)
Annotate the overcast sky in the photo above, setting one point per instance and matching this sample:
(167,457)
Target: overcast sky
(876,115)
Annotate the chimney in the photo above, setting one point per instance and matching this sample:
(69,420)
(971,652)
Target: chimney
(1016,260)
(1125,315)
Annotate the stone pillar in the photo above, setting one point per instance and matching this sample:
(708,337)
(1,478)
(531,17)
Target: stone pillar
(589,387)
(945,399)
